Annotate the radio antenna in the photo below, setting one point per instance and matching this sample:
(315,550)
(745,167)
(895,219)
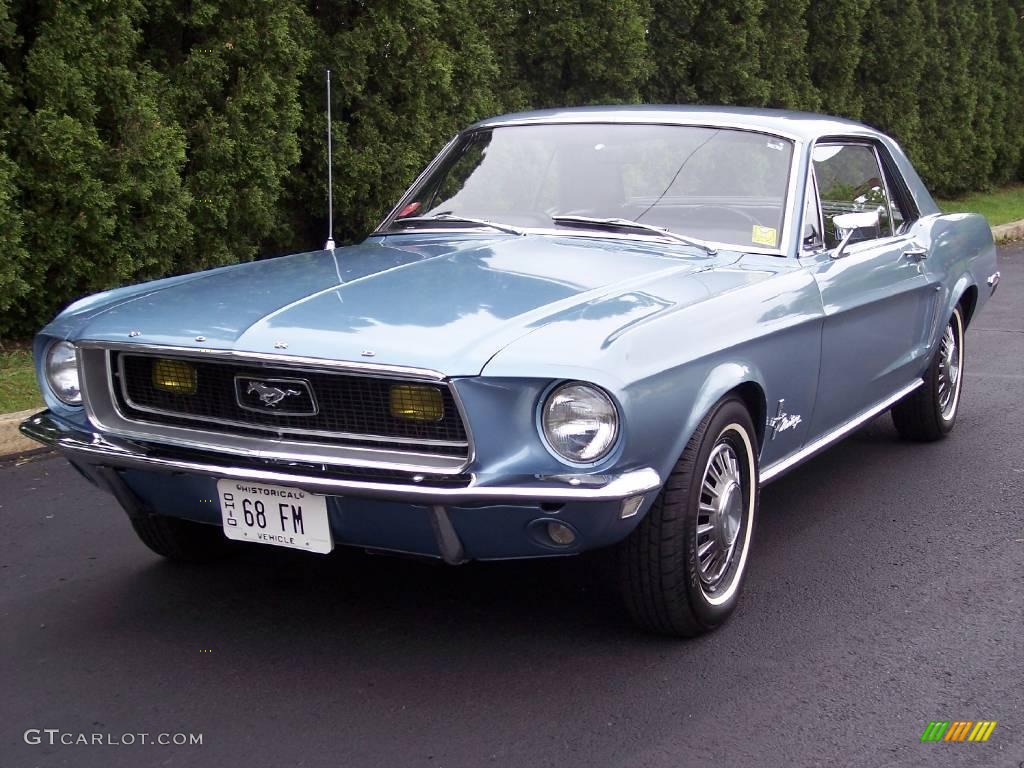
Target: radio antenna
(329,245)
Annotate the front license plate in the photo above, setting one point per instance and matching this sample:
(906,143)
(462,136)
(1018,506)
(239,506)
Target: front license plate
(274,514)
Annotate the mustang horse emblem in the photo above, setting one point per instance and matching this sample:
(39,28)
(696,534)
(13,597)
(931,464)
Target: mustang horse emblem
(270,396)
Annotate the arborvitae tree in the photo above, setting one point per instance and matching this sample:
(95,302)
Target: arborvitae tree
(143,137)
(1008,87)
(786,67)
(984,71)
(406,76)
(100,157)
(588,52)
(673,51)
(14,256)
(712,51)
(947,99)
(890,68)
(235,68)
(834,51)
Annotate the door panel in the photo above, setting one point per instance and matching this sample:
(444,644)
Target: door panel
(878,306)
(877,295)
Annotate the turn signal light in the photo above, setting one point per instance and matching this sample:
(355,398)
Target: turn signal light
(415,402)
(175,376)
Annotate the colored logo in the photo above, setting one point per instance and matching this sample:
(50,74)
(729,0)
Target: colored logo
(958,730)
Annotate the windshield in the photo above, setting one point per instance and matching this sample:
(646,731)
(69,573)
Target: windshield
(720,185)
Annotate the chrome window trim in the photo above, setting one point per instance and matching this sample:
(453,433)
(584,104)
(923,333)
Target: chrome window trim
(888,189)
(846,141)
(281,433)
(812,182)
(100,407)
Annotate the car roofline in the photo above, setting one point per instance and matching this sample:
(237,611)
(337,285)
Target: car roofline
(803,127)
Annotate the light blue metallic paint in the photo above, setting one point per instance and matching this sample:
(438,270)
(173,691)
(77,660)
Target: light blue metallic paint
(664,328)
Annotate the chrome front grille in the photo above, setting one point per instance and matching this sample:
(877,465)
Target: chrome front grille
(339,407)
(335,413)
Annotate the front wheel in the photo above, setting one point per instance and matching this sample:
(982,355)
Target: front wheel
(929,412)
(681,571)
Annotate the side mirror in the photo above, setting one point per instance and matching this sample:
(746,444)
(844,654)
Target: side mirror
(854,227)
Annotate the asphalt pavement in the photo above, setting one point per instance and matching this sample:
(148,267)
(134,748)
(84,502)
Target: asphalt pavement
(886,590)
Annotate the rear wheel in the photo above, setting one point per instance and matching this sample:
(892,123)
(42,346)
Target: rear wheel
(181,540)
(929,412)
(681,571)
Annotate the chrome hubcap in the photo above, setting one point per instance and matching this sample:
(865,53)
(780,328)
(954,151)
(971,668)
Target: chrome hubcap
(949,371)
(722,500)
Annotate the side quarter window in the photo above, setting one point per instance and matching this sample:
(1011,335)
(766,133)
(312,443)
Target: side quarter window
(849,181)
(903,211)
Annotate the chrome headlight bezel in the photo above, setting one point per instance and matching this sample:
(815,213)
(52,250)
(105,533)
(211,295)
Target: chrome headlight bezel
(598,401)
(60,368)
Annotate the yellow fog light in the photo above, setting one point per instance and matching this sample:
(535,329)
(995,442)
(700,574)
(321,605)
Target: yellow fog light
(416,402)
(174,376)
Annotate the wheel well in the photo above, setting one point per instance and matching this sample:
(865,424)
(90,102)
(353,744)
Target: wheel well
(753,397)
(968,301)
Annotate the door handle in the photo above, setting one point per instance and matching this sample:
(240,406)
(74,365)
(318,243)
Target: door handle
(915,254)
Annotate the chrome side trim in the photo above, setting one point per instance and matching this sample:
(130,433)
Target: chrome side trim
(782,466)
(94,450)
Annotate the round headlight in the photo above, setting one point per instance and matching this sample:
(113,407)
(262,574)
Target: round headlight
(62,372)
(580,423)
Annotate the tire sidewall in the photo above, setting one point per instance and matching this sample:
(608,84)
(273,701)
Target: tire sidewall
(731,422)
(957,320)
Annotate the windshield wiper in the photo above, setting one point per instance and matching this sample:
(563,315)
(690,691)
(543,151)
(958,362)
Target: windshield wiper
(448,217)
(613,223)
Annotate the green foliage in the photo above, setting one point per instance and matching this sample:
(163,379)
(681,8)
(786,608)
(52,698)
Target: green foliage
(573,53)
(834,52)
(786,65)
(12,251)
(710,51)
(406,76)
(100,170)
(890,68)
(1008,92)
(234,68)
(140,138)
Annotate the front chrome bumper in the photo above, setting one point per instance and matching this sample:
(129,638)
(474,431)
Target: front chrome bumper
(96,450)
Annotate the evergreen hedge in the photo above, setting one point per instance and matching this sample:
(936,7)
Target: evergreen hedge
(146,138)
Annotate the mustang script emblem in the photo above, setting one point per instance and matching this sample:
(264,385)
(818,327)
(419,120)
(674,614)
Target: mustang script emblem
(783,421)
(270,396)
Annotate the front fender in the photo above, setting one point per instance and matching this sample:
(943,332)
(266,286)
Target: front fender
(724,378)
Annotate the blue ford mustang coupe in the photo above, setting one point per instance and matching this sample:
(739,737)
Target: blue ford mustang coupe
(584,328)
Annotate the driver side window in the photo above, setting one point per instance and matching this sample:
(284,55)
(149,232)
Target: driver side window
(850,181)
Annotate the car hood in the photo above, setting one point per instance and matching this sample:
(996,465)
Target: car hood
(446,303)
